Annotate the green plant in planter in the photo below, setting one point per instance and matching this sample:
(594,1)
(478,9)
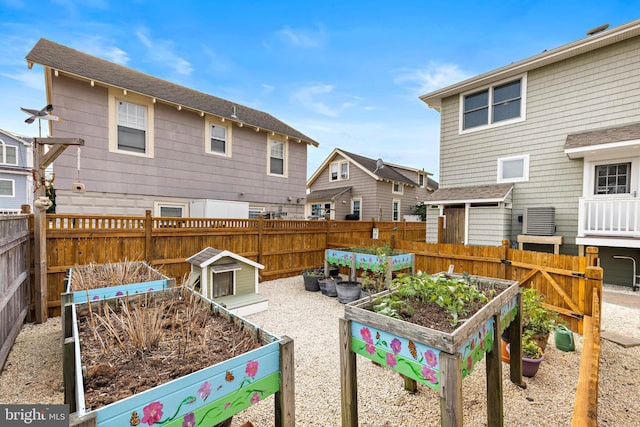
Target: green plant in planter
(530,349)
(374,281)
(537,320)
(453,295)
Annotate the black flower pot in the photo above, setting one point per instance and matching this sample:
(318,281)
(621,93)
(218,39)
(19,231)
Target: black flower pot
(311,281)
(348,291)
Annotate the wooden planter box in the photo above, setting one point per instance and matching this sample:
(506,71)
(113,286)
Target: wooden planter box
(205,397)
(74,293)
(369,262)
(437,359)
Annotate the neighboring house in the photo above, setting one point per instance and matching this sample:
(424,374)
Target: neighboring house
(350,186)
(554,138)
(229,279)
(152,144)
(16,165)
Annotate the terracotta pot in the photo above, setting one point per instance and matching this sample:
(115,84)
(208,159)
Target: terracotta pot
(504,352)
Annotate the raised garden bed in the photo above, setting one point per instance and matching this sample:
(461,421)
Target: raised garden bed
(101,281)
(170,358)
(438,359)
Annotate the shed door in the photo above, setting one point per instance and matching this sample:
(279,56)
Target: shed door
(454,225)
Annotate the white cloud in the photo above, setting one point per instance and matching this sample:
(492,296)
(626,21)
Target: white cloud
(322,99)
(161,51)
(30,79)
(303,38)
(434,76)
(266,88)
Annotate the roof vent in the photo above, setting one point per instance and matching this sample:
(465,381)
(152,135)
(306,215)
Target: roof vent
(539,221)
(597,30)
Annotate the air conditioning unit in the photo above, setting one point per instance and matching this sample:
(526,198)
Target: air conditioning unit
(539,221)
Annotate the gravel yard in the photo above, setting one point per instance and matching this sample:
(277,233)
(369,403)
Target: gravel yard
(33,372)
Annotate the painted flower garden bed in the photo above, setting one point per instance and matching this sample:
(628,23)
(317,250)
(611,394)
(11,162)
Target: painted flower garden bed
(178,383)
(422,354)
(367,261)
(100,281)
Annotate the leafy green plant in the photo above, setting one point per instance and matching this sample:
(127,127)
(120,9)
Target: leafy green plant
(530,349)
(452,294)
(535,316)
(374,281)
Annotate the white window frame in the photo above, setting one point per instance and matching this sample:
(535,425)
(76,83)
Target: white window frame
(337,165)
(422,177)
(3,153)
(116,95)
(285,161)
(490,88)
(395,214)
(256,211)
(400,189)
(212,121)
(159,205)
(525,167)
(13,188)
(611,163)
(359,200)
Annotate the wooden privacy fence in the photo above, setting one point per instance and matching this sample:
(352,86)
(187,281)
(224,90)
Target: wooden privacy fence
(14,279)
(284,247)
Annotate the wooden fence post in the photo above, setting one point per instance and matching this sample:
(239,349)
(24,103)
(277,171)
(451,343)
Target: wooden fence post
(260,231)
(503,258)
(148,227)
(440,229)
(593,280)
(285,407)
(348,376)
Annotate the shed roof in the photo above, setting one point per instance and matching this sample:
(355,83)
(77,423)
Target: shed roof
(630,132)
(80,64)
(478,194)
(328,194)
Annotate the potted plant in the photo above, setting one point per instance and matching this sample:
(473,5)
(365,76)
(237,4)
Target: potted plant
(531,355)
(311,278)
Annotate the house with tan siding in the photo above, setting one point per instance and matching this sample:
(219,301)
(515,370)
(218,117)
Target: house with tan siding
(350,186)
(545,152)
(154,145)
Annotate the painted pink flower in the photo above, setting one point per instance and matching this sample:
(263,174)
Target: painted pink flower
(205,390)
(252,368)
(473,344)
(469,363)
(119,293)
(96,297)
(189,420)
(365,333)
(371,349)
(226,405)
(255,398)
(391,360)
(396,345)
(152,413)
(429,375)
(430,358)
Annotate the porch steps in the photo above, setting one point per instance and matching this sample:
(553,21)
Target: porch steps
(243,305)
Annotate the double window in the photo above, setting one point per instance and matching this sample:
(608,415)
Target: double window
(8,154)
(613,178)
(513,169)
(495,105)
(339,171)
(7,188)
(277,158)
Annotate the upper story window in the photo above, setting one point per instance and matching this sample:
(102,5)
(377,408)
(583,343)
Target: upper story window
(496,105)
(7,188)
(421,179)
(398,188)
(513,169)
(8,154)
(218,139)
(277,158)
(613,178)
(130,124)
(339,171)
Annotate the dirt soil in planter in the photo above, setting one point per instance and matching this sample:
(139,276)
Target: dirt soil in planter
(136,346)
(433,316)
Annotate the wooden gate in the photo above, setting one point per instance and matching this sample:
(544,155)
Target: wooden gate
(454,225)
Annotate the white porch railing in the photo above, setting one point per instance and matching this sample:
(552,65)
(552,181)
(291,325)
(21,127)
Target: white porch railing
(618,217)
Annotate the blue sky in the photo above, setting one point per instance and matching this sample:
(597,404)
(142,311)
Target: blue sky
(346,73)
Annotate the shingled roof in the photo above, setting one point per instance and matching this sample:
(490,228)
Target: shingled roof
(388,172)
(630,132)
(479,193)
(80,64)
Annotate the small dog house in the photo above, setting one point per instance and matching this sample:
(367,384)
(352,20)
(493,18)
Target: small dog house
(227,279)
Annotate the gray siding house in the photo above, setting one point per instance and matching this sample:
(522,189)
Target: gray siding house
(16,164)
(558,133)
(350,186)
(152,144)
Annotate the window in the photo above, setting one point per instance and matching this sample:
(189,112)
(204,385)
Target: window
(172,211)
(8,154)
(316,210)
(254,213)
(7,188)
(613,178)
(496,105)
(130,124)
(356,207)
(513,169)
(396,210)
(421,179)
(398,188)
(218,138)
(339,171)
(277,158)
